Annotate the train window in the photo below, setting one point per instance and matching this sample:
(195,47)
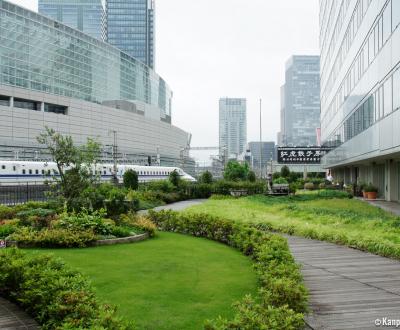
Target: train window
(3,167)
(36,171)
(23,171)
(105,172)
(30,171)
(14,168)
(43,172)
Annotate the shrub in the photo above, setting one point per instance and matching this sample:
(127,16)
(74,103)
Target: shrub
(201,190)
(85,221)
(280,181)
(56,296)
(285,172)
(206,177)
(6,230)
(141,222)
(131,179)
(37,218)
(309,186)
(283,298)
(234,171)
(251,176)
(322,185)
(162,185)
(174,178)
(26,237)
(119,231)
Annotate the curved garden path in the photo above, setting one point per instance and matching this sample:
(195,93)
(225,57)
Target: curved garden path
(349,289)
(13,318)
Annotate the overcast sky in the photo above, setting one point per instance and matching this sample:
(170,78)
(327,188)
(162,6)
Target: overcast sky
(207,49)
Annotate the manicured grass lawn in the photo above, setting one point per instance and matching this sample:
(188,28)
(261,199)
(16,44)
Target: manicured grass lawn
(169,282)
(340,220)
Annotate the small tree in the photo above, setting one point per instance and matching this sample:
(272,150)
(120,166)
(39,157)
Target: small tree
(174,178)
(251,176)
(74,164)
(131,179)
(285,172)
(235,171)
(206,177)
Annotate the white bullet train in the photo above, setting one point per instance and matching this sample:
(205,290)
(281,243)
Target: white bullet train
(18,172)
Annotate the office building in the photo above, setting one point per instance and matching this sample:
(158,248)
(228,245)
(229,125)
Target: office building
(360,92)
(300,105)
(130,27)
(87,16)
(232,127)
(268,150)
(56,76)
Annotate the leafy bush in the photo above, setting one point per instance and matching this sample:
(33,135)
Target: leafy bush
(37,218)
(309,186)
(224,187)
(251,176)
(280,181)
(206,177)
(26,237)
(119,231)
(174,178)
(234,171)
(6,230)
(56,296)
(162,185)
(131,179)
(285,172)
(85,221)
(141,222)
(283,298)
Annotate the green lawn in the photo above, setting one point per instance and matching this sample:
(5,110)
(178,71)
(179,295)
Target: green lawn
(340,220)
(169,282)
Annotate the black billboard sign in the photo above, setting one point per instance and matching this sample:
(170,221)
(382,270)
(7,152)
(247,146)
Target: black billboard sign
(299,155)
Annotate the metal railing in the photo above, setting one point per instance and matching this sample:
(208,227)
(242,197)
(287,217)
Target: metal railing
(23,192)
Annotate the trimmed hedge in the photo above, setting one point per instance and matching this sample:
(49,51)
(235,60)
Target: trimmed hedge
(56,296)
(282,299)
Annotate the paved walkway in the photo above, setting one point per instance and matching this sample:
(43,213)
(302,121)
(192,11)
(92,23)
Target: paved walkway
(349,289)
(392,207)
(179,206)
(12,318)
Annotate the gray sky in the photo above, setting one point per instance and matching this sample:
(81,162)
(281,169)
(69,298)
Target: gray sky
(207,49)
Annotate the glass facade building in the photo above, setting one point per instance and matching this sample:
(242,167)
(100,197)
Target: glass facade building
(268,150)
(232,127)
(38,53)
(87,16)
(360,92)
(130,27)
(300,102)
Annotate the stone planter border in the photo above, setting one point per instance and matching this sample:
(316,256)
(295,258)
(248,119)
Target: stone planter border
(110,241)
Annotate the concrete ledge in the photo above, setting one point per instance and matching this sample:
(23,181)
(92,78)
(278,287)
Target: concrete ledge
(121,240)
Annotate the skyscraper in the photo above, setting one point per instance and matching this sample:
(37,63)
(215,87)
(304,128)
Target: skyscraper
(300,102)
(130,27)
(232,126)
(87,16)
(360,92)
(268,153)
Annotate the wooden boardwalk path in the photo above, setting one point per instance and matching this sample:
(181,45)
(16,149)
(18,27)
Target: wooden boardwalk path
(349,289)
(13,318)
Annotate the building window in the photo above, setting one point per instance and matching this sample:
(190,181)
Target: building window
(26,104)
(387,97)
(4,101)
(396,89)
(387,22)
(54,108)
